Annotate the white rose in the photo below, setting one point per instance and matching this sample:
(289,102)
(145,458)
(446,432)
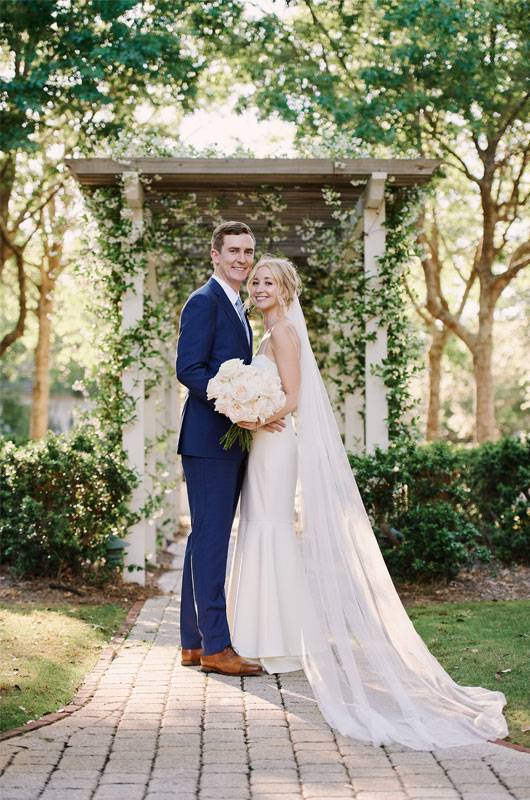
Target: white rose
(223,405)
(265,409)
(213,389)
(242,392)
(278,400)
(251,409)
(229,369)
(237,412)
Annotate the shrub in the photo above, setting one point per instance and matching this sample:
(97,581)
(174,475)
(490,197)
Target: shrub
(437,542)
(408,474)
(61,498)
(499,492)
(438,507)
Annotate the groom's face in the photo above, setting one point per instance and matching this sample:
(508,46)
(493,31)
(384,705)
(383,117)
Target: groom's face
(234,261)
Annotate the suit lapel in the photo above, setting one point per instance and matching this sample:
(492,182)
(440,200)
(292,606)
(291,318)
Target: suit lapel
(230,312)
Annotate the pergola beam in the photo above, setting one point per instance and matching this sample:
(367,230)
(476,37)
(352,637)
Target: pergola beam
(237,171)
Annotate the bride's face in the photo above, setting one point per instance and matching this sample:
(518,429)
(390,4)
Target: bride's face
(263,290)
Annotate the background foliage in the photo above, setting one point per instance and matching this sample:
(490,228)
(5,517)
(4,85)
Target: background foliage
(62,498)
(437,508)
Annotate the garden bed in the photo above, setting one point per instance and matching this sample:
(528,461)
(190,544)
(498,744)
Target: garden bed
(491,581)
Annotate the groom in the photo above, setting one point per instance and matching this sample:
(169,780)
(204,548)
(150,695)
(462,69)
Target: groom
(213,329)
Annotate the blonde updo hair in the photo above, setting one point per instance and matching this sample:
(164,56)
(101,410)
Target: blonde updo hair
(285,277)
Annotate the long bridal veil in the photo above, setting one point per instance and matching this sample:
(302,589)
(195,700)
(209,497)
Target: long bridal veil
(373,676)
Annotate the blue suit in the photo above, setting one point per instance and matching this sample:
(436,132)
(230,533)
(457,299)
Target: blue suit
(210,332)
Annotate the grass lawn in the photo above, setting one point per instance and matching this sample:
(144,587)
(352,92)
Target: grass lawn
(484,644)
(45,652)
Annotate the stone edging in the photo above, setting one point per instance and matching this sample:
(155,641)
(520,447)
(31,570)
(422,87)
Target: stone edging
(519,747)
(89,685)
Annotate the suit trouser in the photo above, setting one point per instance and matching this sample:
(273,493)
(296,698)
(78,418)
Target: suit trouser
(213,485)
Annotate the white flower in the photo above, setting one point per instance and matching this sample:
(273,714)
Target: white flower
(229,369)
(243,392)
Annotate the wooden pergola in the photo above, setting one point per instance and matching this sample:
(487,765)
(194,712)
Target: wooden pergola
(361,184)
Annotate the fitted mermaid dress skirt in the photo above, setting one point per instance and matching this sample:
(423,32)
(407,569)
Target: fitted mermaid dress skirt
(269,603)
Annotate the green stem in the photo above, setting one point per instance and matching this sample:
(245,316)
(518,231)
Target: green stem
(234,434)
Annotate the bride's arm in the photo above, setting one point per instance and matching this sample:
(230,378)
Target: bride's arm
(286,348)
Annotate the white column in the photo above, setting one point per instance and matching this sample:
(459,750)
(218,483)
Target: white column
(376,406)
(133,385)
(152,401)
(353,407)
(353,422)
(172,421)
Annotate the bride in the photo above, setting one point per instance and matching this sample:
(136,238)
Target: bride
(321,598)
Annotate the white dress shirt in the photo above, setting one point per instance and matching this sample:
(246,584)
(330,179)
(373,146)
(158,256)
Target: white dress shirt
(233,296)
(230,293)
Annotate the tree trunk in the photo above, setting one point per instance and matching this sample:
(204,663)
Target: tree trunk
(486,428)
(436,350)
(41,379)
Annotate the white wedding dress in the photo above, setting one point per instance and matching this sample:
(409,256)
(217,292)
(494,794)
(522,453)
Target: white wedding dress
(321,597)
(268,603)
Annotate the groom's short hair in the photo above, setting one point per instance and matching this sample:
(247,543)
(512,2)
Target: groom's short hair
(227,229)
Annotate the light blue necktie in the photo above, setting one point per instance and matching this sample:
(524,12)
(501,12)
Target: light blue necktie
(241,311)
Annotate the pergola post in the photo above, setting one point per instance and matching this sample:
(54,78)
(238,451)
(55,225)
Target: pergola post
(172,421)
(354,403)
(152,402)
(133,384)
(376,405)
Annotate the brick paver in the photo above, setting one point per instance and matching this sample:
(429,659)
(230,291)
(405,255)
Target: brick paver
(154,730)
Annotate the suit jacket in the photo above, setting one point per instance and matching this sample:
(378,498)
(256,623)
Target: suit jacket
(210,333)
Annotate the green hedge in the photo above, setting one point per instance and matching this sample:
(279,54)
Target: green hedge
(61,500)
(437,508)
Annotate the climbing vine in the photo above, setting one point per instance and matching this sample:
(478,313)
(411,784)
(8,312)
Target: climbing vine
(341,300)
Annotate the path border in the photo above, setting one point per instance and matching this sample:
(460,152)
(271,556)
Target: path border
(512,746)
(90,682)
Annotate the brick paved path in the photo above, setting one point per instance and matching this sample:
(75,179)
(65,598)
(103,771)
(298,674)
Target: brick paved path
(156,730)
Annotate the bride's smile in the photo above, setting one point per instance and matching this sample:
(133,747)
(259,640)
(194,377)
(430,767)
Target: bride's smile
(264,293)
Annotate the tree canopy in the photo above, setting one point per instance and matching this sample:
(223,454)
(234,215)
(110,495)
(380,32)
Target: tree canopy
(442,78)
(91,62)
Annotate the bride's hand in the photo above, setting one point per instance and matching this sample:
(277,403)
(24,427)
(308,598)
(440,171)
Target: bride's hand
(250,426)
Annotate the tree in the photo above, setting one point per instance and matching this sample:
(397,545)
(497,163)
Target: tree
(72,76)
(444,79)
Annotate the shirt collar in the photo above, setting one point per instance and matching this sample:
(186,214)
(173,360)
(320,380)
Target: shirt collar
(230,293)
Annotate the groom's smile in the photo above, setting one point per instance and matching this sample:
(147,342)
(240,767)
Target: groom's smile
(234,261)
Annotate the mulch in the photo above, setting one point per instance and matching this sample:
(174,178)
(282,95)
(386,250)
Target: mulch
(69,589)
(492,581)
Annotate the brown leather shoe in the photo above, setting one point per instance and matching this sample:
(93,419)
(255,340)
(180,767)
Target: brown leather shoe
(191,658)
(228,662)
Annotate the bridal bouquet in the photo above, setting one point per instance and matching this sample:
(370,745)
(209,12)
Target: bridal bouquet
(243,392)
